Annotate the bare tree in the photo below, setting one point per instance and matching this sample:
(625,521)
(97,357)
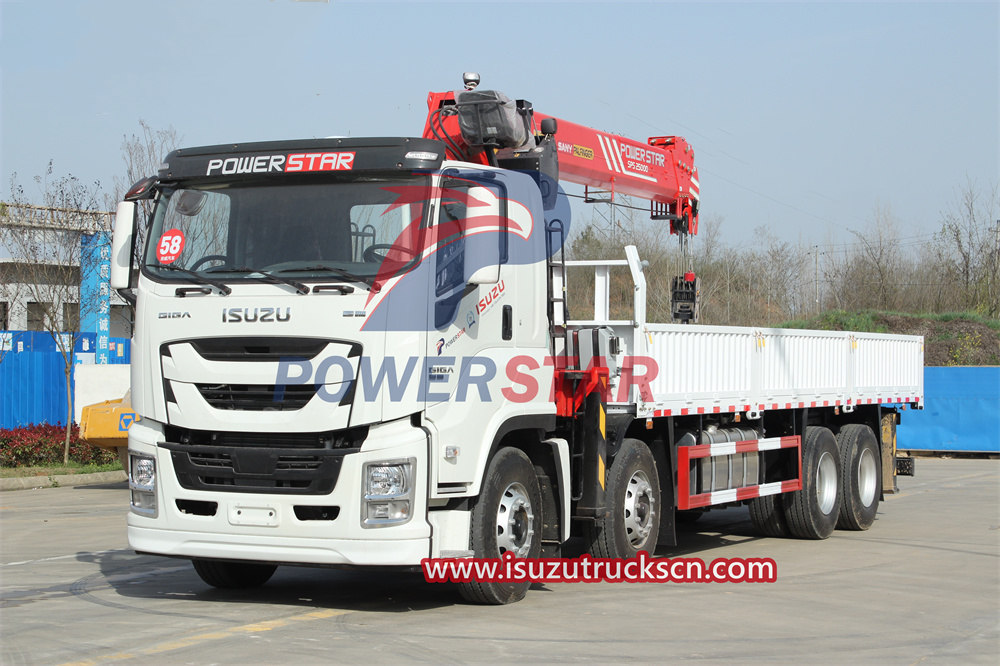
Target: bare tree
(142,155)
(44,242)
(969,248)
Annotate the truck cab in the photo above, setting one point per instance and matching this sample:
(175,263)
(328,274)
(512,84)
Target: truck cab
(322,332)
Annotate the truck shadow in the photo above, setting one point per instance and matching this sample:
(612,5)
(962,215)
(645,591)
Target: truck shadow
(146,577)
(149,577)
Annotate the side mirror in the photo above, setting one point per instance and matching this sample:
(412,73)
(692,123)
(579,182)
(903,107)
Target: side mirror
(121,245)
(485,275)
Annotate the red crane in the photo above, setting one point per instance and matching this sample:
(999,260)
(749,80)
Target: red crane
(486,127)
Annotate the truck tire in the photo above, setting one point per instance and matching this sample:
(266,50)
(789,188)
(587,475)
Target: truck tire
(233,575)
(768,515)
(507,517)
(633,498)
(860,477)
(812,512)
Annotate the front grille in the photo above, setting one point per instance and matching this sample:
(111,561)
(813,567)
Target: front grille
(212,459)
(306,463)
(256,470)
(257,397)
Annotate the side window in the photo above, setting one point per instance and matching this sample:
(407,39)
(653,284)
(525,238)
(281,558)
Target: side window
(470,234)
(450,267)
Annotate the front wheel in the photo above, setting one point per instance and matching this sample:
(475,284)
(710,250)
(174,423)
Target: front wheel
(633,498)
(233,575)
(507,518)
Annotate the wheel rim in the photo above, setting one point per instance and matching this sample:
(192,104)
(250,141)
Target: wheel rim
(826,483)
(867,477)
(515,521)
(638,509)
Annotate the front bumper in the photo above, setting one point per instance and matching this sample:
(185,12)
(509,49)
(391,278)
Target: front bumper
(269,527)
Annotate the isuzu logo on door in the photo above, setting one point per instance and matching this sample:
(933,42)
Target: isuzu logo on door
(251,315)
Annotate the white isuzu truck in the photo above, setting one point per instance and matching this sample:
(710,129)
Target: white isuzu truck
(358,352)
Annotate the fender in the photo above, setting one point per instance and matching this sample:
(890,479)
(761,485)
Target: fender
(560,453)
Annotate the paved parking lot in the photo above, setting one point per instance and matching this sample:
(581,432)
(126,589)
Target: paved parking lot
(923,586)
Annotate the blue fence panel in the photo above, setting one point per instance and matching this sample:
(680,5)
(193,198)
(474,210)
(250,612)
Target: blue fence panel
(33,377)
(32,389)
(961,413)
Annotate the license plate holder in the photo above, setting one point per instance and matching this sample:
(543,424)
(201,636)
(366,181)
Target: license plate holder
(257,515)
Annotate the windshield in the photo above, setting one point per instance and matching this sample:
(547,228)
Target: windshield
(329,230)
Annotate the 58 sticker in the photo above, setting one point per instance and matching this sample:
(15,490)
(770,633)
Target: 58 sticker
(170,246)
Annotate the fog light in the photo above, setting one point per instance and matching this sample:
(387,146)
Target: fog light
(398,510)
(145,500)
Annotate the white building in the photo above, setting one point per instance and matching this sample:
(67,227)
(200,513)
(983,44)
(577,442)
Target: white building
(40,269)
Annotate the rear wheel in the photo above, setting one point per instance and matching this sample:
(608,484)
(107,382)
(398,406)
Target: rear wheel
(812,512)
(860,477)
(507,517)
(768,515)
(233,575)
(633,497)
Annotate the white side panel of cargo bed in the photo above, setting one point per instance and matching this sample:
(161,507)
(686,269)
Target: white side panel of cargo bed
(888,365)
(713,369)
(701,363)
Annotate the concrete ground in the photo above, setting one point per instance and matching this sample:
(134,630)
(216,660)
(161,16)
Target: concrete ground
(923,586)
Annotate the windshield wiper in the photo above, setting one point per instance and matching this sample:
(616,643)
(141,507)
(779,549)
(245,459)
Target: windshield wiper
(221,286)
(347,275)
(299,287)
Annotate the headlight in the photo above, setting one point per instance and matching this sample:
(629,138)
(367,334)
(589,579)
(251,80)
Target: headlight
(388,493)
(142,484)
(387,480)
(143,471)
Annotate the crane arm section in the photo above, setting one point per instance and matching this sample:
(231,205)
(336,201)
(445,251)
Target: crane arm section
(661,170)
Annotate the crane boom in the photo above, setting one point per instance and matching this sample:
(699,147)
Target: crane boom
(660,171)
(487,127)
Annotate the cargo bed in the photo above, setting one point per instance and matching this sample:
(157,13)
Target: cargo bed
(726,369)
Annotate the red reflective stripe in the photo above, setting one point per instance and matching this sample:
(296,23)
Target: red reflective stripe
(683,481)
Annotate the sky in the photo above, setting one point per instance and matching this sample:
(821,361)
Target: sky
(806,118)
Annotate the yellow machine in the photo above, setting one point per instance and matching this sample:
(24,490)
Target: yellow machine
(106,424)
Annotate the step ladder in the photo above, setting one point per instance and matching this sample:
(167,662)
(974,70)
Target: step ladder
(563,347)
